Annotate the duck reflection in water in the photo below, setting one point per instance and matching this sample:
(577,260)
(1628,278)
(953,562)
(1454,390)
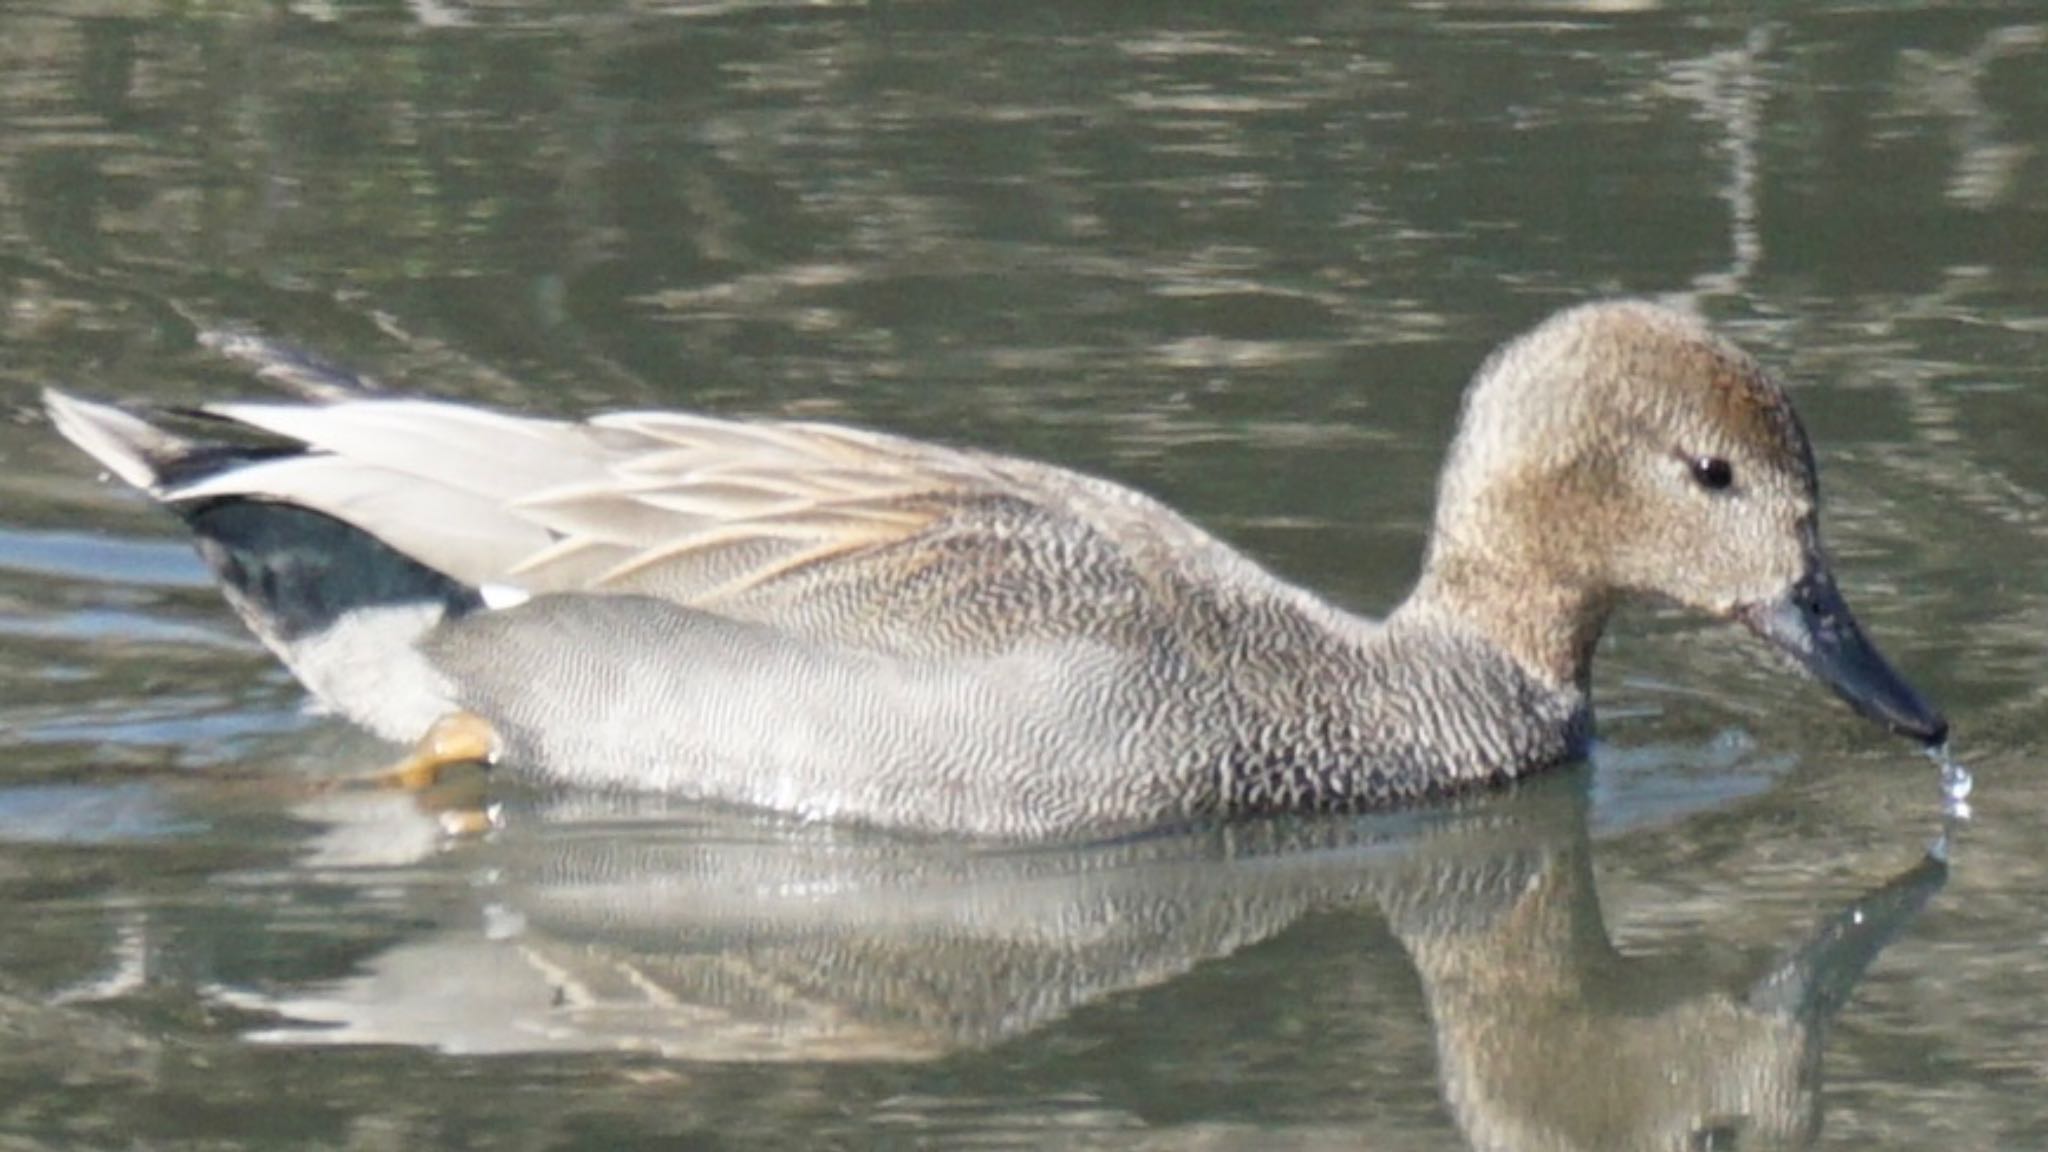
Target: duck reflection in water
(753,942)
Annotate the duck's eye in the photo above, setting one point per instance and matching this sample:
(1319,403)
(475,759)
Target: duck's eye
(1711,472)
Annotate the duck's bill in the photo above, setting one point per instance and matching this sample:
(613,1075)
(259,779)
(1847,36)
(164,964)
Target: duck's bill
(1812,625)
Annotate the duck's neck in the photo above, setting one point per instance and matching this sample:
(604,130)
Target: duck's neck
(1548,626)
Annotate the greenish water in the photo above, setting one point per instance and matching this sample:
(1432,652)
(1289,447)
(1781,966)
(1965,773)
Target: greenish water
(1242,258)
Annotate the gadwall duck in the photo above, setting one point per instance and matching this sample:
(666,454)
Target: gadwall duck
(846,625)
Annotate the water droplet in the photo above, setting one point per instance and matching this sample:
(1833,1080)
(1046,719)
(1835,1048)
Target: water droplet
(1956,783)
(1937,849)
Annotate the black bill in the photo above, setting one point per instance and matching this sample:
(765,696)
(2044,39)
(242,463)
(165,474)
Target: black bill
(1814,627)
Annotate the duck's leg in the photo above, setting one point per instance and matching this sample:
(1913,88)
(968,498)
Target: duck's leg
(457,738)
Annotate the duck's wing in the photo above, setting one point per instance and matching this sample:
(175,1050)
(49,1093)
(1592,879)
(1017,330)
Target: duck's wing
(838,533)
(712,512)
(548,505)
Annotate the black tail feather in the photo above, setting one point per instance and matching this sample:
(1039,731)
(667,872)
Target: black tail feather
(292,573)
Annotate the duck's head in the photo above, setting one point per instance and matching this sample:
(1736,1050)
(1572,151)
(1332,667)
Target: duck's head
(1622,448)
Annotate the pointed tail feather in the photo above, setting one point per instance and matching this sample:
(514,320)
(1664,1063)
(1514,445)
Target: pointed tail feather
(133,449)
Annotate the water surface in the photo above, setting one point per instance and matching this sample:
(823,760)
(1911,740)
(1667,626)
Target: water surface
(1239,258)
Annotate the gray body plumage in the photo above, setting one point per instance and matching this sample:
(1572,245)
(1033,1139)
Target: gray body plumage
(856,626)
(1041,737)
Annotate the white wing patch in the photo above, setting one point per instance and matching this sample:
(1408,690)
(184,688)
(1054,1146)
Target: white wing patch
(499,596)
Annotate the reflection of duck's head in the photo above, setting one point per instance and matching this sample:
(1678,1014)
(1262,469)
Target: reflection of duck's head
(1623,449)
(720,938)
(1548,1038)
(1708,1074)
